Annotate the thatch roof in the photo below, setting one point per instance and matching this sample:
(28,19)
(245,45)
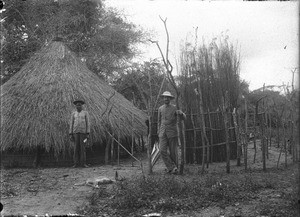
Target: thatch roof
(36,103)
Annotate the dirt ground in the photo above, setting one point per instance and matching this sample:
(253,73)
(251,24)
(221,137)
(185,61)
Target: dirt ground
(60,191)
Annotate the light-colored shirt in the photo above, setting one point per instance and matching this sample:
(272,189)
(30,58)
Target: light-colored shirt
(167,121)
(80,122)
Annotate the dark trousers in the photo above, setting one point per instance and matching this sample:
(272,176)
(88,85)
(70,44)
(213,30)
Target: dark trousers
(79,152)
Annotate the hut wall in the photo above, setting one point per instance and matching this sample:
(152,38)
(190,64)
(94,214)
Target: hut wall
(94,156)
(12,159)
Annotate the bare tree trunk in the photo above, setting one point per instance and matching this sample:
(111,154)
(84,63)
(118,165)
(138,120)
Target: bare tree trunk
(150,114)
(169,69)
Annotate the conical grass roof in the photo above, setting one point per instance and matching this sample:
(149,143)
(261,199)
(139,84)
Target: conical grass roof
(36,103)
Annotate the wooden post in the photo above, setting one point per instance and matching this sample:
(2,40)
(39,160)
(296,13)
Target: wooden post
(211,137)
(241,132)
(183,155)
(246,136)
(270,129)
(195,139)
(119,135)
(265,141)
(132,136)
(112,156)
(298,158)
(284,142)
(207,148)
(279,157)
(203,135)
(38,157)
(142,143)
(181,138)
(149,148)
(293,144)
(254,139)
(237,133)
(277,128)
(266,137)
(225,116)
(107,149)
(262,129)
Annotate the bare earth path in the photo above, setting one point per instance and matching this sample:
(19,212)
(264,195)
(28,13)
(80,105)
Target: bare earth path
(54,191)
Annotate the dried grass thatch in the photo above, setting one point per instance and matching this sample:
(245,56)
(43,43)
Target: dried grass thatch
(36,103)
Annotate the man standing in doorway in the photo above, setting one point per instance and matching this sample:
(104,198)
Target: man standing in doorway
(167,132)
(79,133)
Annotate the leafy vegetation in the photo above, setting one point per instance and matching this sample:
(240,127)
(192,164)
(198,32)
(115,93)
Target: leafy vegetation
(100,35)
(214,68)
(181,194)
(140,81)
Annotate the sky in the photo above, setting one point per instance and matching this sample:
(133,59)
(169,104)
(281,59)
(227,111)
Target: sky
(265,33)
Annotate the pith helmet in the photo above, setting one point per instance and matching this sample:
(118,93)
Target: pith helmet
(167,93)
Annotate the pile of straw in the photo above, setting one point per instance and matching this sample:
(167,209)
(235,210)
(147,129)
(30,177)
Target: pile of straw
(36,103)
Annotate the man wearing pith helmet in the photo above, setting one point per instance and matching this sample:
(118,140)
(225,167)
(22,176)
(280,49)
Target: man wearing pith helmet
(79,133)
(167,132)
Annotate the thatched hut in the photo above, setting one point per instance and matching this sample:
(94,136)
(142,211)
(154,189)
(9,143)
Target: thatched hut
(36,104)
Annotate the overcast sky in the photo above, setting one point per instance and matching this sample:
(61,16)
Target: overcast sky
(267,33)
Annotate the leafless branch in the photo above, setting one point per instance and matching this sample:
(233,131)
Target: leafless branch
(161,53)
(159,92)
(168,38)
